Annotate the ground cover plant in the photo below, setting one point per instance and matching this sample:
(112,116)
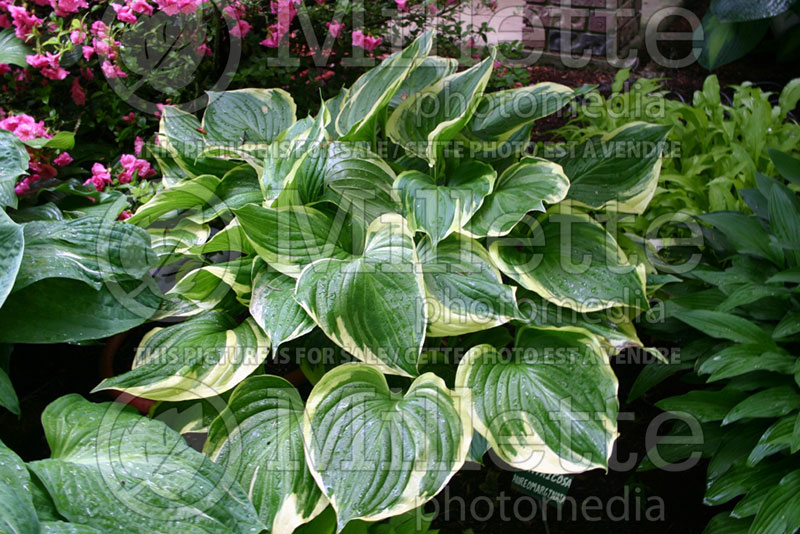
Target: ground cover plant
(401,220)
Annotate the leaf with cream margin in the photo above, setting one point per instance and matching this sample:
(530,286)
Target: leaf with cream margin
(196,194)
(465,291)
(11,252)
(373,305)
(551,407)
(431,70)
(113,470)
(524,186)
(377,454)
(426,121)
(574,263)
(258,116)
(201,357)
(440,210)
(261,434)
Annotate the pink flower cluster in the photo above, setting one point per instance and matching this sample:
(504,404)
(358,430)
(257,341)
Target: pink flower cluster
(63,8)
(130,165)
(101,177)
(173,7)
(128,11)
(285,11)
(48,65)
(367,42)
(237,12)
(24,22)
(25,127)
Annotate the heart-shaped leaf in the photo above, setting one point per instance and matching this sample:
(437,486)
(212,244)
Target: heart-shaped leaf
(258,116)
(551,406)
(11,250)
(376,454)
(373,306)
(13,163)
(431,70)
(261,434)
(17,514)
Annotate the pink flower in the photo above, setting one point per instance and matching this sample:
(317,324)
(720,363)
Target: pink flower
(275,36)
(130,117)
(63,159)
(367,42)
(141,6)
(492,4)
(25,127)
(335,27)
(104,48)
(23,21)
(23,187)
(48,63)
(100,177)
(173,7)
(241,28)
(66,7)
(77,92)
(77,37)
(112,71)
(124,13)
(99,29)
(402,5)
(88,52)
(204,50)
(38,61)
(130,165)
(87,74)
(125,214)
(41,171)
(4,68)
(138,145)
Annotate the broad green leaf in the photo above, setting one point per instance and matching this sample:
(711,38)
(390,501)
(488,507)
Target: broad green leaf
(502,113)
(8,397)
(290,238)
(12,50)
(375,88)
(722,325)
(725,523)
(239,187)
(207,286)
(430,70)
(181,134)
(776,438)
(260,439)
(202,357)
(440,210)
(17,514)
(703,405)
(195,194)
(11,251)
(377,454)
(745,10)
(524,186)
(13,163)
(465,292)
(724,42)
(61,141)
(234,118)
(780,511)
(173,242)
(744,358)
(231,238)
(373,306)
(114,470)
(551,406)
(426,121)
(788,326)
(273,307)
(773,402)
(89,249)
(574,263)
(787,165)
(114,308)
(750,292)
(62,527)
(618,170)
(784,219)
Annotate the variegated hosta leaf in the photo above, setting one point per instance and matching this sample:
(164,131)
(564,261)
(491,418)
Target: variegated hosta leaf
(619,169)
(425,122)
(524,186)
(239,187)
(260,440)
(172,243)
(181,134)
(273,307)
(114,470)
(202,357)
(502,113)
(574,263)
(377,454)
(233,118)
(376,87)
(230,238)
(89,249)
(350,176)
(373,306)
(13,163)
(196,194)
(440,210)
(17,514)
(465,291)
(290,238)
(551,407)
(612,326)
(62,527)
(207,286)
(431,70)
(11,249)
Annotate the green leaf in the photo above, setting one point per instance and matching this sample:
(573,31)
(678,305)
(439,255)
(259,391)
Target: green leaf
(17,514)
(114,308)
(181,134)
(788,166)
(574,263)
(440,210)
(724,523)
(11,251)
(744,358)
(523,187)
(465,292)
(113,469)
(273,307)
(207,286)
(202,357)
(62,527)
(551,406)
(788,326)
(781,510)
(260,439)
(376,454)
(703,405)
(618,170)
(744,10)
(61,141)
(13,163)
(195,194)
(428,72)
(12,50)
(773,402)
(234,118)
(176,241)
(373,90)
(373,306)
(426,121)
(776,438)
(722,325)
(290,238)
(89,249)
(724,42)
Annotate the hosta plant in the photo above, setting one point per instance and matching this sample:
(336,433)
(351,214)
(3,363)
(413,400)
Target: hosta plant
(400,224)
(739,350)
